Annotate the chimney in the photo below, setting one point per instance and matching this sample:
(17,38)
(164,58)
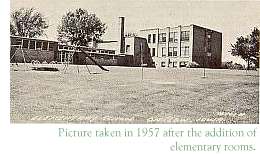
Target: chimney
(121,35)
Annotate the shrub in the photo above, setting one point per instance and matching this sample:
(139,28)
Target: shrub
(193,65)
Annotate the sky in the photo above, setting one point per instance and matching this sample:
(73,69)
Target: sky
(231,18)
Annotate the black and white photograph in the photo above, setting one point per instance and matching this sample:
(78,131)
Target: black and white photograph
(134,62)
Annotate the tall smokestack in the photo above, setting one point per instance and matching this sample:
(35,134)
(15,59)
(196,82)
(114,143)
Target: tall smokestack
(121,35)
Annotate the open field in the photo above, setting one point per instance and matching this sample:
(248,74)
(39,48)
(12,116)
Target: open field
(121,96)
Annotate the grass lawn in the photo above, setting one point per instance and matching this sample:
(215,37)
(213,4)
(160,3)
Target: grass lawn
(121,96)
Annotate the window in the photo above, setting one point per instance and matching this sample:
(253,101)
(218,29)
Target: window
(16,41)
(175,50)
(127,48)
(63,57)
(170,53)
(51,46)
(38,45)
(162,64)
(32,44)
(184,51)
(175,35)
(163,52)
(175,64)
(60,47)
(149,38)
(25,43)
(154,38)
(153,52)
(111,52)
(171,37)
(162,37)
(45,45)
(185,35)
(169,63)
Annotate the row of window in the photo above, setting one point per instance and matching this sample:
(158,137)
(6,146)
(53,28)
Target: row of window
(33,44)
(174,64)
(46,45)
(62,47)
(172,51)
(173,37)
(151,38)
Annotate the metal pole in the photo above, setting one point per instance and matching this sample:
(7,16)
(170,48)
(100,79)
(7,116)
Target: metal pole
(142,73)
(141,51)
(205,53)
(24,60)
(204,70)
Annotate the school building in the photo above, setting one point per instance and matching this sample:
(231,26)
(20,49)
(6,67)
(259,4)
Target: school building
(178,46)
(167,47)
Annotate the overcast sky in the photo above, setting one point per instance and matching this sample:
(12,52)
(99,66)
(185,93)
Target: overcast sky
(232,18)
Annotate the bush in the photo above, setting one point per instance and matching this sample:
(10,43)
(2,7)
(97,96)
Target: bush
(193,65)
(230,65)
(35,62)
(53,62)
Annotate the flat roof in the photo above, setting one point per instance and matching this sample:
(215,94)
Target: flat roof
(150,29)
(33,38)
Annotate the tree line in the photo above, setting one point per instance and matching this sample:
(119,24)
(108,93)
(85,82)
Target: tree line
(77,27)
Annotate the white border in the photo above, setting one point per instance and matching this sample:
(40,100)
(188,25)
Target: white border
(42,139)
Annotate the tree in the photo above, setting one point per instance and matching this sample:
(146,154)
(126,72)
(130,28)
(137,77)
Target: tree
(248,48)
(27,22)
(80,27)
(13,31)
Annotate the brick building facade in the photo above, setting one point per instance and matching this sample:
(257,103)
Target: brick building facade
(177,46)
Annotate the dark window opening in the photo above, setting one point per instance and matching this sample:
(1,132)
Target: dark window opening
(185,35)
(162,37)
(60,47)
(185,51)
(127,48)
(153,52)
(175,35)
(149,38)
(174,51)
(154,38)
(38,45)
(16,41)
(111,52)
(163,52)
(32,44)
(163,64)
(170,53)
(171,37)
(51,46)
(45,45)
(25,43)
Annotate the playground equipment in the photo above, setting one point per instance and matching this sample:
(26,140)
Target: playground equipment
(70,57)
(20,46)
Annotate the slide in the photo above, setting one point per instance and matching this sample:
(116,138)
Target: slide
(96,63)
